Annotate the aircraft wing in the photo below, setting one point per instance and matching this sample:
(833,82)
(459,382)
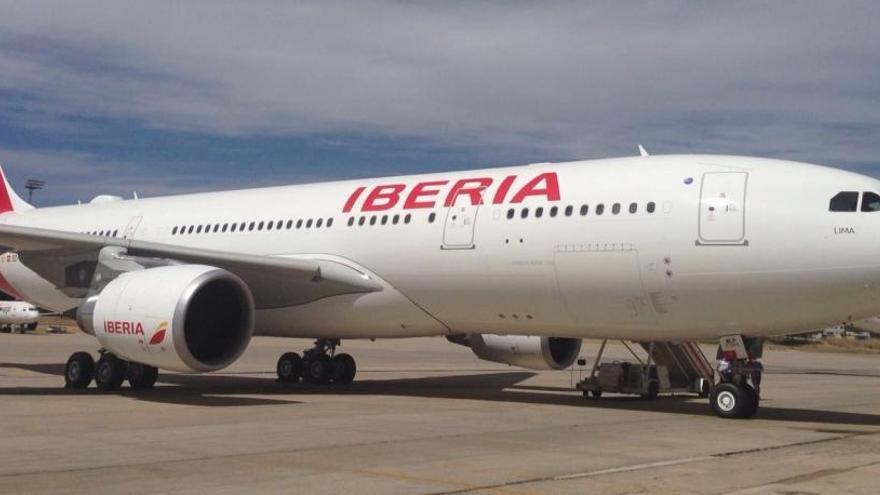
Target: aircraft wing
(69,260)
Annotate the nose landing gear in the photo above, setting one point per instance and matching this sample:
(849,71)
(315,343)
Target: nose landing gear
(318,365)
(738,393)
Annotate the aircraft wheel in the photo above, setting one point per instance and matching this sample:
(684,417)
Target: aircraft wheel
(140,376)
(596,393)
(731,401)
(345,369)
(6,329)
(753,402)
(289,368)
(653,391)
(32,326)
(110,372)
(79,371)
(317,369)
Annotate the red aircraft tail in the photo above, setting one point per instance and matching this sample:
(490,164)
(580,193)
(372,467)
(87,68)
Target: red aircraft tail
(9,201)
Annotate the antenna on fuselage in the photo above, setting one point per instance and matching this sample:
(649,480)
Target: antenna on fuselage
(642,151)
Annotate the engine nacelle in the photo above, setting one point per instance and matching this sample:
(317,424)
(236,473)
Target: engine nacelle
(189,318)
(537,353)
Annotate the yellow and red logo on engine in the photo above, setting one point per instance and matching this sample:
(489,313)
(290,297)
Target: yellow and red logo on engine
(136,328)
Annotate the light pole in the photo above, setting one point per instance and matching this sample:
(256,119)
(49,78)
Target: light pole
(32,185)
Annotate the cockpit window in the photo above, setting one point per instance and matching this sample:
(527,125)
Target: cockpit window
(870,201)
(845,201)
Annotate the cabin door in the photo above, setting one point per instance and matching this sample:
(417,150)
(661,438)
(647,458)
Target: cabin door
(723,208)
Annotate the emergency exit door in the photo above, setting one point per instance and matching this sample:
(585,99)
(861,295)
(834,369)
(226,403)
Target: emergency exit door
(723,208)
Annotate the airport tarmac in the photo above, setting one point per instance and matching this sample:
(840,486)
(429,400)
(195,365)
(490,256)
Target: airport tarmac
(426,416)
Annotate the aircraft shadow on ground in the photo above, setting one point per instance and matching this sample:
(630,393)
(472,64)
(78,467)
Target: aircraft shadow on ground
(226,390)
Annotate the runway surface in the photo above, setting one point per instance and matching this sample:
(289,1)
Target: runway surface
(425,416)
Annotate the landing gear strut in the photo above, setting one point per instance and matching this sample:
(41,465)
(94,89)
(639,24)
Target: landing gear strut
(319,365)
(738,393)
(109,372)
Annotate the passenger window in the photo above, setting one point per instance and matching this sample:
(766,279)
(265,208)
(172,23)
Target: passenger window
(651,207)
(524,213)
(232,228)
(431,217)
(407,218)
(569,210)
(510,213)
(615,208)
(600,208)
(252,225)
(395,219)
(309,223)
(299,223)
(845,201)
(384,219)
(241,227)
(539,212)
(199,229)
(330,222)
(260,226)
(318,223)
(362,220)
(584,210)
(190,231)
(373,220)
(115,233)
(174,231)
(290,223)
(870,202)
(554,211)
(270,225)
(350,221)
(633,207)
(216,227)
(225,227)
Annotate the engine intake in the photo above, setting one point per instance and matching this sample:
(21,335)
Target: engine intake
(189,318)
(538,353)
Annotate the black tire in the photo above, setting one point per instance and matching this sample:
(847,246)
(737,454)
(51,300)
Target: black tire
(731,401)
(5,329)
(317,369)
(753,403)
(345,369)
(32,326)
(79,370)
(22,329)
(596,393)
(110,372)
(653,391)
(289,367)
(141,376)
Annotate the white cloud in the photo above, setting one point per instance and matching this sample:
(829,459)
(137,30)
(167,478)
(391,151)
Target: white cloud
(569,78)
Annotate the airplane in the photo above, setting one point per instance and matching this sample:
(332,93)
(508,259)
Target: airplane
(523,262)
(22,314)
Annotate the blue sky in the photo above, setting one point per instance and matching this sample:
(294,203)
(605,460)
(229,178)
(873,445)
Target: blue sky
(165,97)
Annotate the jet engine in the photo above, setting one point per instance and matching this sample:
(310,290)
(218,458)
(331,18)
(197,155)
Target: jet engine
(538,353)
(189,318)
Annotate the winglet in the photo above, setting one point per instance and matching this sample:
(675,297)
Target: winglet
(642,151)
(9,201)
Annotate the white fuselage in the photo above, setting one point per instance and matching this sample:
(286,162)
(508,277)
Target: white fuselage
(733,245)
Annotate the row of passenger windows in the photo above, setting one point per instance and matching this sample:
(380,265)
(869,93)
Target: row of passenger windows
(849,201)
(103,233)
(384,219)
(251,226)
(584,210)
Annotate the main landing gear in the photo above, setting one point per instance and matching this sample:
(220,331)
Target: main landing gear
(319,365)
(109,372)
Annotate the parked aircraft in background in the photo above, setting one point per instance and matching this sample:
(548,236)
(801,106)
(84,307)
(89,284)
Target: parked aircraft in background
(18,315)
(650,248)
